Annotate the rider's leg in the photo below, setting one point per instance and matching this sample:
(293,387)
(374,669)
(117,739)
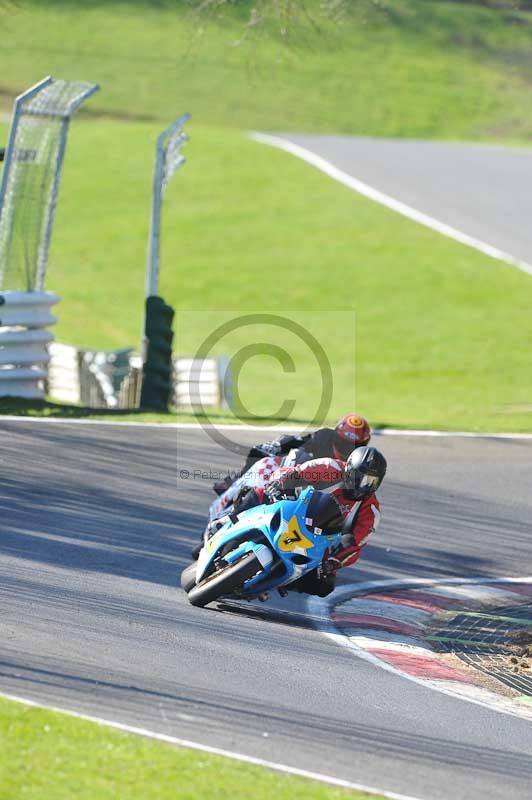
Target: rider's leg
(314,583)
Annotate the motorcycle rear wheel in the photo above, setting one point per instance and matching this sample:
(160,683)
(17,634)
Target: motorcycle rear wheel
(224,581)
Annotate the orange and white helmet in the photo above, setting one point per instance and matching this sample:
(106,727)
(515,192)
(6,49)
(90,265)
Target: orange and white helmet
(351,431)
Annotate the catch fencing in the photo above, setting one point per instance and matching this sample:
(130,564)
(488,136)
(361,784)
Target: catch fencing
(31,176)
(168,159)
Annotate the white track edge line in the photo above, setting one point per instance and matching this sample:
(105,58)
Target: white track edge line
(449,434)
(161,425)
(390,202)
(320,608)
(260,762)
(256,428)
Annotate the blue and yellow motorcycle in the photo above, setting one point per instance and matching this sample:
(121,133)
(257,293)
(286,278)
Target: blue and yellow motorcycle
(264,548)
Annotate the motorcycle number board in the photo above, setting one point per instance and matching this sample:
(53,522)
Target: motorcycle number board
(293,538)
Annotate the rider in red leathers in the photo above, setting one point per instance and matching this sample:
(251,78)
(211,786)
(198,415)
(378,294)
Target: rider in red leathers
(353,484)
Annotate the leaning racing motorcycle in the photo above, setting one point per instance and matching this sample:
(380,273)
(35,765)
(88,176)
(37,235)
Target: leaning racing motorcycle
(246,555)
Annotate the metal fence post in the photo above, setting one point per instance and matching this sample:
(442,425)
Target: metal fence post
(168,159)
(157,376)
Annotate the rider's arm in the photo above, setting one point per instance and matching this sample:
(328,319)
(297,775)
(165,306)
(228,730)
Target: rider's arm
(366,522)
(320,443)
(279,447)
(288,441)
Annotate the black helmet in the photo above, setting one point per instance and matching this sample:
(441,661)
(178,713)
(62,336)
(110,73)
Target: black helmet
(364,470)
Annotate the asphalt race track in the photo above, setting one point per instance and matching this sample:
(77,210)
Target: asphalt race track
(95,527)
(481,190)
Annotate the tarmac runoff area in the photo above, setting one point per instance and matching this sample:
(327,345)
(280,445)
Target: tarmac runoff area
(468,638)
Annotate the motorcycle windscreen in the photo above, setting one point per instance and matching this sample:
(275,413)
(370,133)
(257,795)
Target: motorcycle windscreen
(323,514)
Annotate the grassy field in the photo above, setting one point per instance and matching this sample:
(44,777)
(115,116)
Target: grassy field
(414,68)
(50,756)
(438,342)
(442,335)
(248,228)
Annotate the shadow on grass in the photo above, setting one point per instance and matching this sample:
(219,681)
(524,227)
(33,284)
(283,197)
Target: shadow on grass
(18,406)
(14,406)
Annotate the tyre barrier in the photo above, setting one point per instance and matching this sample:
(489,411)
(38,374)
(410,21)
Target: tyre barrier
(24,342)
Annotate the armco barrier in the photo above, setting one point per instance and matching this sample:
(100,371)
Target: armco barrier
(24,340)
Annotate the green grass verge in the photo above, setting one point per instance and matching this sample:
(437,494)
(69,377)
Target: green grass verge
(48,408)
(47,755)
(443,333)
(417,68)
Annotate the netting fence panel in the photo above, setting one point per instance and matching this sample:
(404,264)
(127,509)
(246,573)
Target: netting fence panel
(30,179)
(168,159)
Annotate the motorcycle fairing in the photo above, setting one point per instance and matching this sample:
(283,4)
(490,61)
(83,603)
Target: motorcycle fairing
(280,537)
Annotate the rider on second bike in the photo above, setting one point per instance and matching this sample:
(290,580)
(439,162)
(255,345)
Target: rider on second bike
(339,442)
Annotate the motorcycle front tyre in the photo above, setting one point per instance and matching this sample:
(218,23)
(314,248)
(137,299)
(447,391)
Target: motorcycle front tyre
(188,576)
(224,581)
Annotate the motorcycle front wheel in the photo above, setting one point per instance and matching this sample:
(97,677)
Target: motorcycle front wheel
(188,576)
(224,581)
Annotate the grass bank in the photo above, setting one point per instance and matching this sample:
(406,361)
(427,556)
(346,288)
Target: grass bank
(50,409)
(408,68)
(442,334)
(49,755)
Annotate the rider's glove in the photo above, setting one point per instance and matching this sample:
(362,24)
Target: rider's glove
(246,498)
(274,491)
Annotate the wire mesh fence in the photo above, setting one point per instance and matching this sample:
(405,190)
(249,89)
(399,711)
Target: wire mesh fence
(168,159)
(30,178)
